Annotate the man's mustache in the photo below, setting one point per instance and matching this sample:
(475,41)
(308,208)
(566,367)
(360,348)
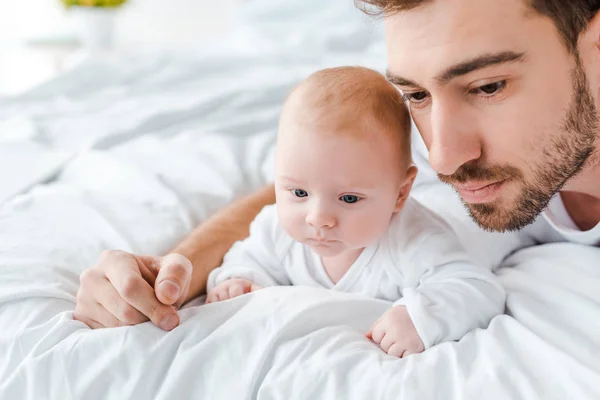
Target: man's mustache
(478,172)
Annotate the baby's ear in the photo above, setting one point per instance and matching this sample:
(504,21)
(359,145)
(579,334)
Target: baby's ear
(405,188)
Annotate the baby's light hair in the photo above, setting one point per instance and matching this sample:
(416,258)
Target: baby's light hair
(356,98)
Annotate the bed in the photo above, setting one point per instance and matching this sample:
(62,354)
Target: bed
(131,153)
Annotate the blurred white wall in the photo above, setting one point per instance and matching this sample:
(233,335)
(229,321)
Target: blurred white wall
(147,24)
(169,23)
(161,23)
(20,19)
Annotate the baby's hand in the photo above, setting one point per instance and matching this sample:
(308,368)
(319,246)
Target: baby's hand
(395,333)
(229,289)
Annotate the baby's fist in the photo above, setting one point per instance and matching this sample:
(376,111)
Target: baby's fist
(229,289)
(396,334)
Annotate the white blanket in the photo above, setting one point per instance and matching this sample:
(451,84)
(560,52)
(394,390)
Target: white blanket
(139,150)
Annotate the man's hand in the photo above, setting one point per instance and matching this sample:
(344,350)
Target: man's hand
(126,289)
(229,289)
(395,333)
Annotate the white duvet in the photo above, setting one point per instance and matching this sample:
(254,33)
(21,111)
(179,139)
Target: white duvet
(132,153)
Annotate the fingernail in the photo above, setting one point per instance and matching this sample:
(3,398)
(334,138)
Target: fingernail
(169,322)
(170,289)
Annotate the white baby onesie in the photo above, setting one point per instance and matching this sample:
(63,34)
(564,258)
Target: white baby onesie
(419,263)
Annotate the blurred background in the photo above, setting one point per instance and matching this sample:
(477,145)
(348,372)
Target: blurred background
(39,39)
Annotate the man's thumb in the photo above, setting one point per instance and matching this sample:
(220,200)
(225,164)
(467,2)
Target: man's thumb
(173,279)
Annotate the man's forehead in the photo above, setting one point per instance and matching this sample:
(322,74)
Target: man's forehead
(439,34)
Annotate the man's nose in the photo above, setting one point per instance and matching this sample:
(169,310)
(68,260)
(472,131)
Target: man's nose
(453,139)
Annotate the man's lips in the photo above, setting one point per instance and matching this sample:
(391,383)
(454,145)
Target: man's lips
(479,192)
(472,186)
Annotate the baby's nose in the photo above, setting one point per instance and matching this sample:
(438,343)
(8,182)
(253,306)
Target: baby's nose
(320,219)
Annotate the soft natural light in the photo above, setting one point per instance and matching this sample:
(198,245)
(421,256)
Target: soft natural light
(38,39)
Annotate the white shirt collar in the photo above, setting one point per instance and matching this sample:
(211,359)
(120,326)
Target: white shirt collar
(558,217)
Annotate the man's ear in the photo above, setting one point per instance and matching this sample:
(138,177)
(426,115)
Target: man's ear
(406,187)
(589,52)
(592,32)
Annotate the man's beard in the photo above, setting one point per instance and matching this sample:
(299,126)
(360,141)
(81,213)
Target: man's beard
(564,158)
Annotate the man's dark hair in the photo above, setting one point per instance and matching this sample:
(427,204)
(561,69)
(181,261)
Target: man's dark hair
(571,17)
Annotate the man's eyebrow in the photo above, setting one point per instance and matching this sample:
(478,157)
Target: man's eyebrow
(478,63)
(400,81)
(463,68)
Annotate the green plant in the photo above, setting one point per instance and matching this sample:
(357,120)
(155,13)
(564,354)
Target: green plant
(93,3)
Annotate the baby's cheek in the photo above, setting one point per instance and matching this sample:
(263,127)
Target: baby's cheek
(291,223)
(369,230)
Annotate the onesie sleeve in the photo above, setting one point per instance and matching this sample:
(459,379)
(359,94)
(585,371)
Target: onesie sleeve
(258,258)
(445,292)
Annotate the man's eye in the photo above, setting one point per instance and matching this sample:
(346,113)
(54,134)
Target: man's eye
(417,97)
(349,198)
(300,193)
(491,88)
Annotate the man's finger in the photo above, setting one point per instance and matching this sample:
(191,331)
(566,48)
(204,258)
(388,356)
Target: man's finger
(173,279)
(90,323)
(90,311)
(110,299)
(105,318)
(94,324)
(149,267)
(85,311)
(132,288)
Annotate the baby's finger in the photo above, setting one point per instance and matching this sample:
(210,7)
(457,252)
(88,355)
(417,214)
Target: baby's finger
(210,297)
(396,350)
(223,293)
(409,353)
(255,287)
(235,290)
(378,333)
(387,342)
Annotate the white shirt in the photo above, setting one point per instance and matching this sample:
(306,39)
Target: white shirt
(560,220)
(419,264)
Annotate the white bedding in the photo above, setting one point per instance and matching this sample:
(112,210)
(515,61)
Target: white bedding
(139,150)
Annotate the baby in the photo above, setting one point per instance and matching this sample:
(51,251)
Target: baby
(344,219)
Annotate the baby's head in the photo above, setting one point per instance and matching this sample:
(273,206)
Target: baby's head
(343,164)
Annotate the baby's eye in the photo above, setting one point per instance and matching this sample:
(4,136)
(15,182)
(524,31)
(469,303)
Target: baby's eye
(349,198)
(300,193)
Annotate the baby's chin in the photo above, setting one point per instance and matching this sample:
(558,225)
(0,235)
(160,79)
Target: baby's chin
(333,250)
(327,250)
